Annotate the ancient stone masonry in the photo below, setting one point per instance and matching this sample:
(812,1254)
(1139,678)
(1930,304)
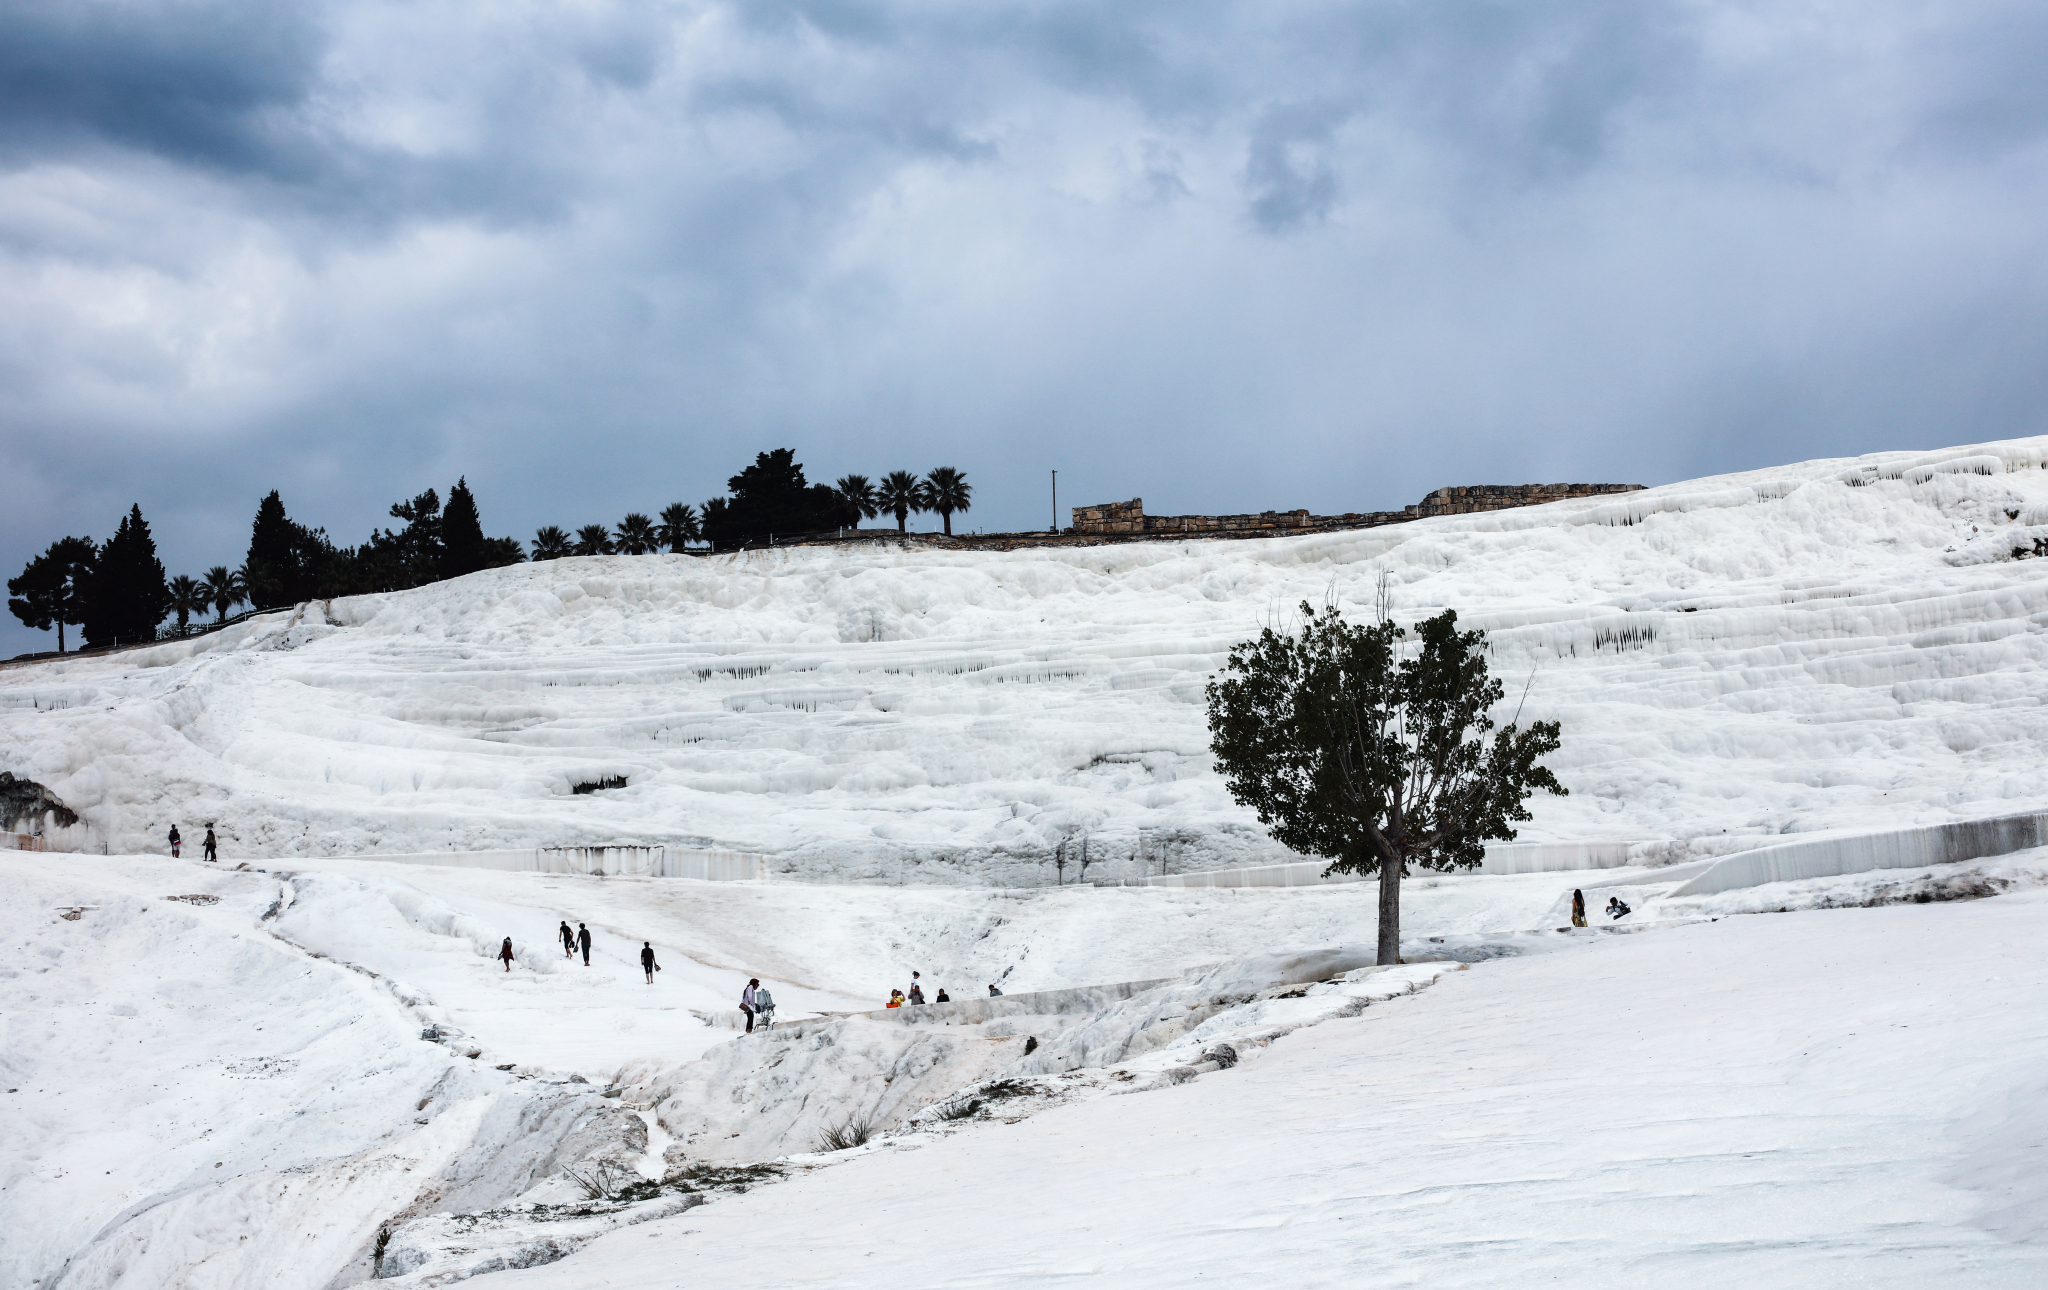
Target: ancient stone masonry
(1130,518)
(1501,497)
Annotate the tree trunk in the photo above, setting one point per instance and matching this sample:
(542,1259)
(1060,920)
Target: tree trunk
(1390,910)
(948,517)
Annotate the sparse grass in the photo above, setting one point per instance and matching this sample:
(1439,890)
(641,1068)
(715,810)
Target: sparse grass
(958,1108)
(853,1133)
(604,1180)
(723,1177)
(998,1090)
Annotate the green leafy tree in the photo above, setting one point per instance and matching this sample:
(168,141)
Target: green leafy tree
(1351,748)
(678,527)
(51,591)
(187,598)
(946,490)
(901,493)
(635,535)
(550,543)
(593,539)
(129,595)
(859,493)
(224,590)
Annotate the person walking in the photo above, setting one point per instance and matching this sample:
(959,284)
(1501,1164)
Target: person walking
(1578,908)
(505,953)
(583,939)
(647,963)
(764,1007)
(747,1002)
(176,841)
(209,846)
(568,941)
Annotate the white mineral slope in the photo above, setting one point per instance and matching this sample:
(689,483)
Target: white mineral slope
(1835,1098)
(1845,643)
(191,1101)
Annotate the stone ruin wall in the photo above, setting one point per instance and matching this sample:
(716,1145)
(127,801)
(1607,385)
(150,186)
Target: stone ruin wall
(1130,518)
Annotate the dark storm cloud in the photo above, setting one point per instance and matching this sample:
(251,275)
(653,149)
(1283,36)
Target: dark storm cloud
(204,84)
(1224,255)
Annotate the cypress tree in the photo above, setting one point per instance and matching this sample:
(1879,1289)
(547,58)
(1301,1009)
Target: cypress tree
(287,561)
(462,532)
(129,595)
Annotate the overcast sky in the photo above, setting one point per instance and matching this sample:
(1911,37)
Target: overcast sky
(1228,257)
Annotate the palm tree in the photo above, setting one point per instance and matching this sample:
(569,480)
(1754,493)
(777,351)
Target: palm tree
(593,539)
(678,527)
(946,491)
(550,543)
(636,535)
(187,598)
(860,494)
(224,590)
(900,494)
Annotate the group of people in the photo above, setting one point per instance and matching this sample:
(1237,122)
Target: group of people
(210,846)
(1616,908)
(898,998)
(579,941)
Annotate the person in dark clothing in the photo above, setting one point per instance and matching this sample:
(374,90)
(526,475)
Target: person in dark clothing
(505,953)
(942,996)
(993,992)
(916,989)
(568,941)
(211,848)
(176,842)
(647,963)
(1578,908)
(1616,909)
(747,1002)
(583,939)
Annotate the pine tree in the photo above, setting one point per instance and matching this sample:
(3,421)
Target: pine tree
(129,595)
(1349,751)
(51,591)
(462,533)
(772,497)
(287,562)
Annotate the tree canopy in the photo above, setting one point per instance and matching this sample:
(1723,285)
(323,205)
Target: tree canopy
(129,594)
(1352,748)
(772,496)
(51,591)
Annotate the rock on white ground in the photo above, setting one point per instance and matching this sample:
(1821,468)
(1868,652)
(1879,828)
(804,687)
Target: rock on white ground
(1842,1097)
(1842,643)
